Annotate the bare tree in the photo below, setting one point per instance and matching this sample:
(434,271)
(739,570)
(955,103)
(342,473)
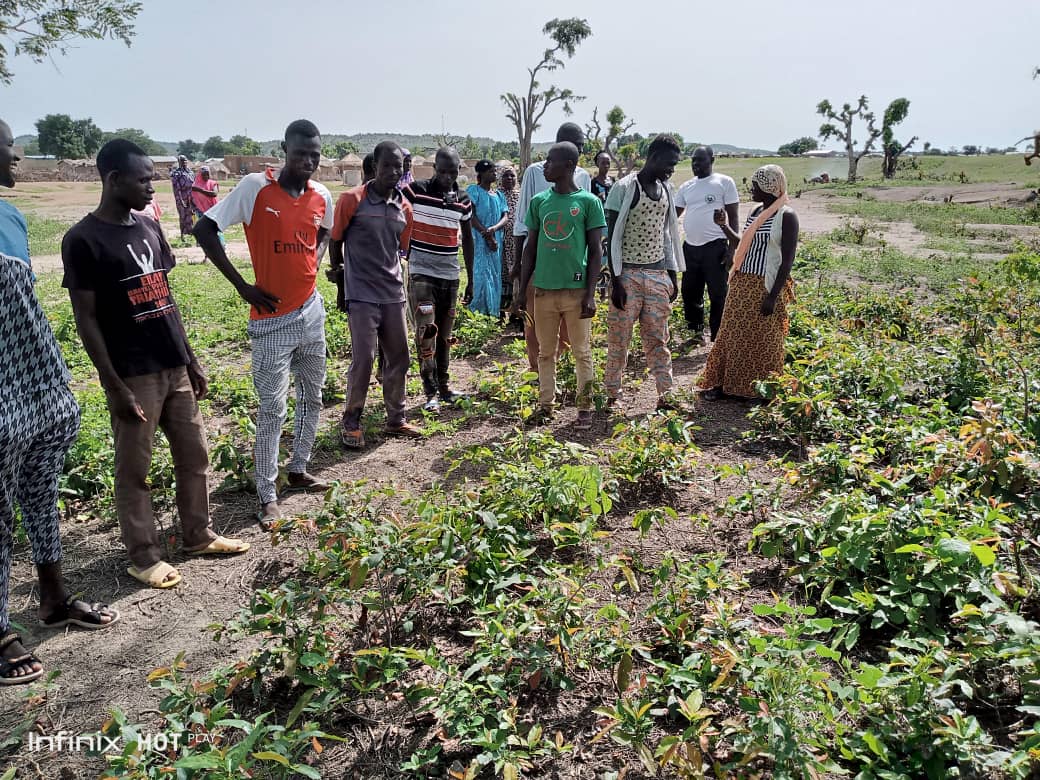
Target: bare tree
(843,129)
(526,111)
(40,27)
(895,113)
(617,125)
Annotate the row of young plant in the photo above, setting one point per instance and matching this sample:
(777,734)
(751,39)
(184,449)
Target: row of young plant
(917,534)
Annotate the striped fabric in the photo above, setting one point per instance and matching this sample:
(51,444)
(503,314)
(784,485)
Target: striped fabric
(435,233)
(755,262)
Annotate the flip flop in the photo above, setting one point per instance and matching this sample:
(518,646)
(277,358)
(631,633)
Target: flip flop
(219,546)
(9,664)
(155,576)
(93,612)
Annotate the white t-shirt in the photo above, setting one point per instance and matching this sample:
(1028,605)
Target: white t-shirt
(700,198)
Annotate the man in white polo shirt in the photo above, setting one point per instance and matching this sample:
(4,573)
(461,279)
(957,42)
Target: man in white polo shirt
(705,248)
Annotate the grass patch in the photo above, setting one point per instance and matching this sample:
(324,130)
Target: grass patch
(45,235)
(939,219)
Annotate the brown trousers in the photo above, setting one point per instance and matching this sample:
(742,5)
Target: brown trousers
(168,402)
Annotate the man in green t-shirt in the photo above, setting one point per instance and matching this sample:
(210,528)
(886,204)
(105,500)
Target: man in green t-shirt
(564,263)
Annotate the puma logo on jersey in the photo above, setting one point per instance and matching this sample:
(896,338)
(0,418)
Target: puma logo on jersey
(276,212)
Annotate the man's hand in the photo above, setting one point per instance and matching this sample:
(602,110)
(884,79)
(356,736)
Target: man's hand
(618,296)
(520,302)
(768,305)
(125,405)
(720,217)
(198,380)
(489,239)
(467,296)
(333,273)
(588,306)
(262,301)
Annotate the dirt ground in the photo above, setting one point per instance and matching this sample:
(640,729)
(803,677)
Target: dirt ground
(108,668)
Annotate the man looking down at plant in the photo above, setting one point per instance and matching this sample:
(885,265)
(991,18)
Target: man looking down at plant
(116,268)
(39,418)
(287,219)
(562,262)
(373,224)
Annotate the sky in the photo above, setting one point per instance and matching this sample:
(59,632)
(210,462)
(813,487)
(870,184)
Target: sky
(748,74)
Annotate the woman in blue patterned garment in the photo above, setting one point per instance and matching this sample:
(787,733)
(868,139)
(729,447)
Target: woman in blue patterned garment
(182,179)
(490,215)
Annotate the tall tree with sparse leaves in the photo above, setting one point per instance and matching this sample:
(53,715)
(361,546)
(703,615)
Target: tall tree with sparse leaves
(617,125)
(840,127)
(895,113)
(40,28)
(526,111)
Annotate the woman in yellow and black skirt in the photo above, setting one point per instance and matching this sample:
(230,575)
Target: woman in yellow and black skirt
(750,342)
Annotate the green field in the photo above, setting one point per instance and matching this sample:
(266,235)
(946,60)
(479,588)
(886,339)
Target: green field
(842,581)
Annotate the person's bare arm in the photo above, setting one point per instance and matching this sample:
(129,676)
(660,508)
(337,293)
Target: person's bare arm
(84,309)
(527,263)
(467,258)
(205,232)
(323,244)
(788,246)
(618,296)
(725,221)
(594,240)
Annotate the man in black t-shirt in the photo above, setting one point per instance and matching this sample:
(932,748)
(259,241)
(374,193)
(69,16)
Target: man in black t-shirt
(116,269)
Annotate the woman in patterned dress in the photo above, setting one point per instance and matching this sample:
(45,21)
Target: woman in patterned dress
(750,342)
(507,186)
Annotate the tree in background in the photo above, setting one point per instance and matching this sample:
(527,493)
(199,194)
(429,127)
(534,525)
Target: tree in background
(39,28)
(189,148)
(895,113)
(798,146)
(139,137)
(215,146)
(242,144)
(339,150)
(66,138)
(526,112)
(843,129)
(469,149)
(617,126)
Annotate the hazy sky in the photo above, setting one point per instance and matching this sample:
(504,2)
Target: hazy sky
(749,74)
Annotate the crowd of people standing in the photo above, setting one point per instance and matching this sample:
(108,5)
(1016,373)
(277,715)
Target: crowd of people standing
(535,250)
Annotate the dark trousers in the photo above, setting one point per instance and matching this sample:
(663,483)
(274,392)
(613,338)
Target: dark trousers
(372,324)
(705,267)
(433,300)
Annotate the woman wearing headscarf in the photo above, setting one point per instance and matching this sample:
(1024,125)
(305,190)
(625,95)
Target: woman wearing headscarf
(507,186)
(750,343)
(203,192)
(182,180)
(490,213)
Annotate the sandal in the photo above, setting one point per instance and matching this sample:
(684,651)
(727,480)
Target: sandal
(91,613)
(584,421)
(8,665)
(158,575)
(219,546)
(352,440)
